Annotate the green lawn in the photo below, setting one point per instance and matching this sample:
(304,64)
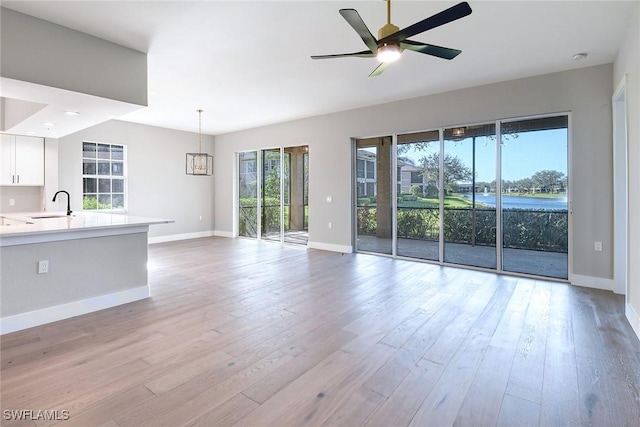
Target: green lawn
(451,201)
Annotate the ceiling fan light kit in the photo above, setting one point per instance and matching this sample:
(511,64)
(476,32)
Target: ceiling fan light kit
(392,41)
(389,52)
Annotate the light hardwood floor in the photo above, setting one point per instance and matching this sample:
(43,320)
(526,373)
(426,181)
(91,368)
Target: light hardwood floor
(249,333)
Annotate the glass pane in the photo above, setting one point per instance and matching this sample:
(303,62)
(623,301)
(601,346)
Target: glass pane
(104,168)
(534,197)
(418,212)
(248,194)
(89,149)
(371,169)
(470,199)
(89,185)
(373,204)
(271,194)
(89,202)
(104,185)
(117,201)
(360,168)
(117,152)
(104,201)
(117,168)
(89,167)
(295,190)
(117,185)
(104,151)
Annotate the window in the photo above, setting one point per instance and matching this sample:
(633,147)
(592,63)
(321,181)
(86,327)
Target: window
(360,168)
(103,176)
(370,189)
(416,177)
(371,170)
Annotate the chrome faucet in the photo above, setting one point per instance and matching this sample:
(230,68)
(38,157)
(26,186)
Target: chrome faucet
(68,200)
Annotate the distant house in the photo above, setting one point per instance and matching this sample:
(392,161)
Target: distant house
(366,173)
(408,176)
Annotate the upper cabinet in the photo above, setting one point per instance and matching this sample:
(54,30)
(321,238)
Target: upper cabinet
(22,160)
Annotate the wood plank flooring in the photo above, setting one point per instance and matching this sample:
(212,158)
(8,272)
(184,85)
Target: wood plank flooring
(248,333)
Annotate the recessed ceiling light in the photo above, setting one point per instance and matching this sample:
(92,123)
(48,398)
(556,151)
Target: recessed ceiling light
(48,124)
(72,113)
(580,56)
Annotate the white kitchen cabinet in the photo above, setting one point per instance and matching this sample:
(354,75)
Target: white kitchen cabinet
(22,160)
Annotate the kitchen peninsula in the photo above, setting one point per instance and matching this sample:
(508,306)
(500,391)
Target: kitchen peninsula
(55,266)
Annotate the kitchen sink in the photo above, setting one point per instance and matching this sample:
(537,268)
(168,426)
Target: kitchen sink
(48,216)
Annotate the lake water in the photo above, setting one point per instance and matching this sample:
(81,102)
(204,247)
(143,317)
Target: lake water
(521,202)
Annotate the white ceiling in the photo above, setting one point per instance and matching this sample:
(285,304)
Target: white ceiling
(246,63)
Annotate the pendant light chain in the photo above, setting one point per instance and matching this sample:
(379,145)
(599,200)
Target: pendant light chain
(200,130)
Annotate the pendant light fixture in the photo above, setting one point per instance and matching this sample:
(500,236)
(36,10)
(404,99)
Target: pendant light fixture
(199,163)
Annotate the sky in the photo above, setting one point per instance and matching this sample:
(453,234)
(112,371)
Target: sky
(521,157)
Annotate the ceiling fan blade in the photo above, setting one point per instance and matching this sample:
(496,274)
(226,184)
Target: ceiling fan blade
(353,18)
(363,54)
(455,12)
(430,49)
(379,69)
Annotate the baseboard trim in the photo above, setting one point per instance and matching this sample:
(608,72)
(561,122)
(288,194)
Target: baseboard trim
(176,237)
(220,233)
(633,318)
(592,282)
(330,247)
(34,318)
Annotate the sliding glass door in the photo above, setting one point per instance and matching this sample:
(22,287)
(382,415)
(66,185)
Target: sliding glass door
(460,197)
(469,168)
(273,194)
(535,214)
(296,198)
(373,190)
(418,201)
(248,194)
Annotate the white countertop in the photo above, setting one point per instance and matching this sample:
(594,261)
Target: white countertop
(27,224)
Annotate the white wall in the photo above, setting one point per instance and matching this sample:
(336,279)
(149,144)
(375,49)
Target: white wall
(628,62)
(585,92)
(25,199)
(157,185)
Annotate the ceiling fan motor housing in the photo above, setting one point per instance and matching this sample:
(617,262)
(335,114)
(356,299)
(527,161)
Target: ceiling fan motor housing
(387,30)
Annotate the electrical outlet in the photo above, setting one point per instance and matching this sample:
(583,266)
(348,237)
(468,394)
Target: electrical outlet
(597,246)
(43,267)
(330,225)
(12,202)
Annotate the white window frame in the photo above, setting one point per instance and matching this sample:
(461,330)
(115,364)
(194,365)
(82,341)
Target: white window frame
(98,176)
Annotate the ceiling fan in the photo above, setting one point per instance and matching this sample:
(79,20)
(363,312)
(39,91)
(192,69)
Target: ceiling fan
(392,41)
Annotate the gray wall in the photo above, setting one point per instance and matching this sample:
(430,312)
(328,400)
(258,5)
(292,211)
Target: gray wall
(628,62)
(585,92)
(41,52)
(118,263)
(157,185)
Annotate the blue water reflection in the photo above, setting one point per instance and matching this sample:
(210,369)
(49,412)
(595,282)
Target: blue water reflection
(522,202)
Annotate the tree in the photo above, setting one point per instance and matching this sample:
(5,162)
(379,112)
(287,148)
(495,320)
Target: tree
(454,169)
(416,190)
(548,180)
